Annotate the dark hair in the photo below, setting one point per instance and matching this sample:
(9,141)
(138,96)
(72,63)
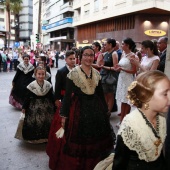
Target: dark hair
(40,62)
(152,45)
(69,52)
(85,48)
(43,58)
(111,41)
(131,43)
(26,55)
(97,44)
(142,90)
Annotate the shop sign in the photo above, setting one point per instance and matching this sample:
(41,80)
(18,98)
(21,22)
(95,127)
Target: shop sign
(85,41)
(155,33)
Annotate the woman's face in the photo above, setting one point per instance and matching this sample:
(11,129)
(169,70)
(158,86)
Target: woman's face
(87,57)
(26,60)
(124,46)
(160,100)
(143,50)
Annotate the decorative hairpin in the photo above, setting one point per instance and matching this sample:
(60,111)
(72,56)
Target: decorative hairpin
(132,86)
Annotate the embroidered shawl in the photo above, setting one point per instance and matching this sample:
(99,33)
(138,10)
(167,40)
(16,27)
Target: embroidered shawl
(39,91)
(88,85)
(25,68)
(139,137)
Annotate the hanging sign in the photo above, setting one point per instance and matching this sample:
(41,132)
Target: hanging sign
(155,33)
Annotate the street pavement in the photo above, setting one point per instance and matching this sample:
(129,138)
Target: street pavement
(16,154)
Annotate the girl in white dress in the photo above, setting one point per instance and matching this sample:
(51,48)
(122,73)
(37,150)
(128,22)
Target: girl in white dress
(151,59)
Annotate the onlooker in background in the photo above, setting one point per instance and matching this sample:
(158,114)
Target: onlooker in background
(126,75)
(118,50)
(162,46)
(32,57)
(4,61)
(96,47)
(151,59)
(56,58)
(0,60)
(15,59)
(110,61)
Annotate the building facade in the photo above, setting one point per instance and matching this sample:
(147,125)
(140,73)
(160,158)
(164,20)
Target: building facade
(139,19)
(4,28)
(57,29)
(26,22)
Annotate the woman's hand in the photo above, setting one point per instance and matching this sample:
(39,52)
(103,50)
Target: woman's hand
(63,120)
(134,62)
(58,103)
(118,68)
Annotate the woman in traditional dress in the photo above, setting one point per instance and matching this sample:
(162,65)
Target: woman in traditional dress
(20,81)
(142,133)
(38,108)
(88,133)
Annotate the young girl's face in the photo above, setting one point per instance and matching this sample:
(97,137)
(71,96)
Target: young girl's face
(26,60)
(160,100)
(40,75)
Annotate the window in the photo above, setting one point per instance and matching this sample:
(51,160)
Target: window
(1,19)
(96,5)
(87,9)
(1,11)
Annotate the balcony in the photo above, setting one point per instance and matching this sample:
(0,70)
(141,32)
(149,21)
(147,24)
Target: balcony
(76,4)
(66,7)
(57,24)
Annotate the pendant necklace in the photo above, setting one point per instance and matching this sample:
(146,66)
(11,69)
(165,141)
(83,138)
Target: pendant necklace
(155,131)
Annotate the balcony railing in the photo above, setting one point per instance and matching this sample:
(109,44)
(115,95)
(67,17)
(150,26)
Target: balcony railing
(66,5)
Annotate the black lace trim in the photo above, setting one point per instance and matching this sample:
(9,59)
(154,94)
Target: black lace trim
(156,132)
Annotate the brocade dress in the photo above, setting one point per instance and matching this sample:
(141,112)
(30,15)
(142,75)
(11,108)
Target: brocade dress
(139,146)
(88,133)
(20,81)
(39,111)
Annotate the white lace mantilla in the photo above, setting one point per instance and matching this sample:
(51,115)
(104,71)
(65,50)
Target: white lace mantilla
(139,137)
(39,91)
(25,68)
(87,86)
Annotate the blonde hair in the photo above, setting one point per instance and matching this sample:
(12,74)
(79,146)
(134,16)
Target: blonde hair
(141,90)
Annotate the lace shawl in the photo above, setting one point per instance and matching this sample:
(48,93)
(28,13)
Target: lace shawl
(88,85)
(139,137)
(39,91)
(25,68)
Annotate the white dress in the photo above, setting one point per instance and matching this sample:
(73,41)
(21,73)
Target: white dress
(124,80)
(147,62)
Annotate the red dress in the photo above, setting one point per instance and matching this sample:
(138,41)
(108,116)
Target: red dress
(88,133)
